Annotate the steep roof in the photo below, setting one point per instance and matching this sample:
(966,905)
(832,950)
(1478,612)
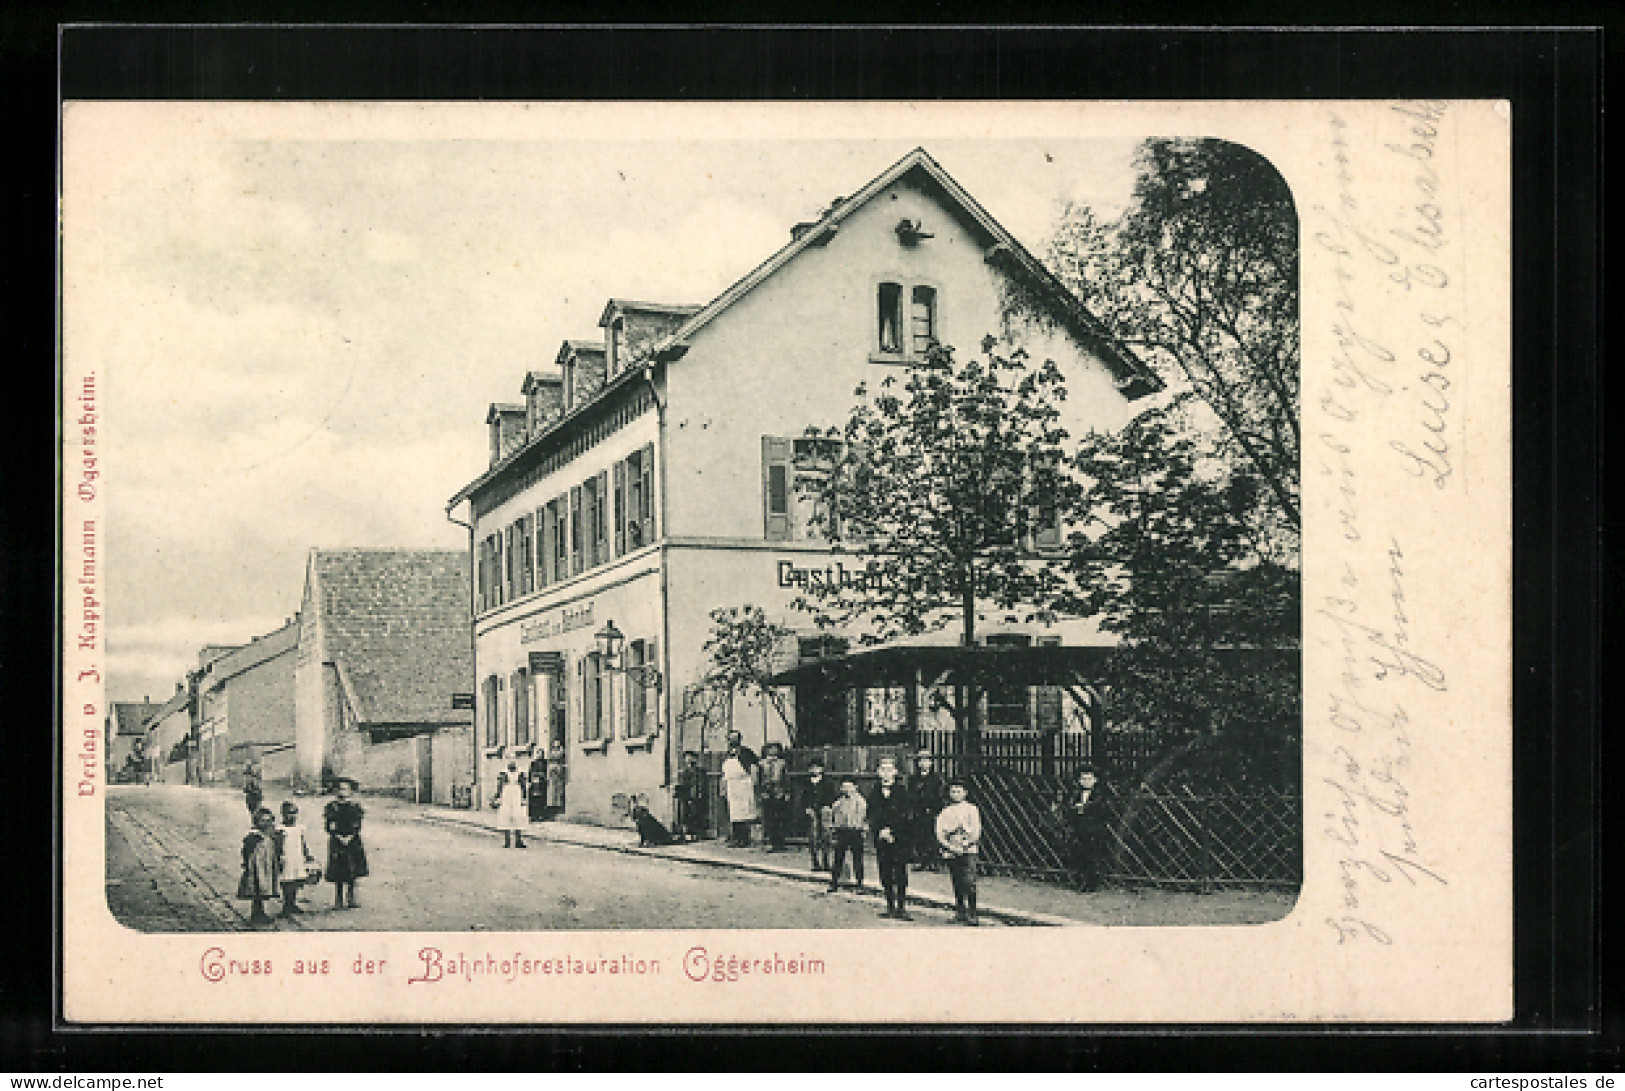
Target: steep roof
(396,622)
(257,651)
(1132,374)
(1133,377)
(130,717)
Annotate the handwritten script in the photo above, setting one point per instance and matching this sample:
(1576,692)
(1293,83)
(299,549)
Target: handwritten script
(1384,424)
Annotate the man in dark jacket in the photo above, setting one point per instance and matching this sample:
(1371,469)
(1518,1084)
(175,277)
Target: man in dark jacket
(891,820)
(930,796)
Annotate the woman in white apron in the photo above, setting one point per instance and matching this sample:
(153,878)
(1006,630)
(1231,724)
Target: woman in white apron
(513,789)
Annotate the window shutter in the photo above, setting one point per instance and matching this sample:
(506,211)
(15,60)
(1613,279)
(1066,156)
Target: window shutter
(776,488)
(543,575)
(601,521)
(575,530)
(586,692)
(651,696)
(620,508)
(646,501)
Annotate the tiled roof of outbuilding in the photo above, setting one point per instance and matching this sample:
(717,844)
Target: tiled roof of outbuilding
(397,621)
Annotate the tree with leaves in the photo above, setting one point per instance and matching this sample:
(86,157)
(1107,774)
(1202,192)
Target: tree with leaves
(1189,517)
(948,474)
(740,658)
(1200,276)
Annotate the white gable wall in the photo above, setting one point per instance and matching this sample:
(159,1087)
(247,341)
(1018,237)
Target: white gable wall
(791,351)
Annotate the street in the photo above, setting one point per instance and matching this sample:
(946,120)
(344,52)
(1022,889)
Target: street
(173,865)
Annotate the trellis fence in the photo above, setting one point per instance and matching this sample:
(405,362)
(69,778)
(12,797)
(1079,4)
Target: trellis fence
(1205,841)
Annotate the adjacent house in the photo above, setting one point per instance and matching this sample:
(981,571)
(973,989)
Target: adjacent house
(169,746)
(127,738)
(650,477)
(383,648)
(245,707)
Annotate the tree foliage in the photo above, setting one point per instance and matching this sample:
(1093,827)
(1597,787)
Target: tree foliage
(741,653)
(1200,276)
(947,473)
(1190,515)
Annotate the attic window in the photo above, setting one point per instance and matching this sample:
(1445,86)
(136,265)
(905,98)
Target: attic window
(923,319)
(617,344)
(891,317)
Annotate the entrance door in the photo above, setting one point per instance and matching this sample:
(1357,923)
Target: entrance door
(557,738)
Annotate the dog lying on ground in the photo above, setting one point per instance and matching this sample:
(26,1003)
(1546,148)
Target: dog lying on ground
(651,831)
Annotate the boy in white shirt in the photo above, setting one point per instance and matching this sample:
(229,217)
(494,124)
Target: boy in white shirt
(959,832)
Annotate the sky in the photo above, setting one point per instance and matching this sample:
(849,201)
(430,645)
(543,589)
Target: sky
(300,326)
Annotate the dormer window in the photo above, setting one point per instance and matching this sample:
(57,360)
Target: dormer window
(617,345)
(569,384)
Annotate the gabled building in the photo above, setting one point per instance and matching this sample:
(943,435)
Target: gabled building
(245,706)
(383,647)
(127,738)
(655,479)
(170,747)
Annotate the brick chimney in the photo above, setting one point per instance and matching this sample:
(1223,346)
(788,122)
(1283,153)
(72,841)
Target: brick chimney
(544,399)
(507,425)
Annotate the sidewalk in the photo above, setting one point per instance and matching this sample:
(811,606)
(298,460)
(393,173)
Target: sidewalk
(1007,900)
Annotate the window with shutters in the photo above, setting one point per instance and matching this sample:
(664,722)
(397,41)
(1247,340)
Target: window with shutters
(637,657)
(776,455)
(618,491)
(592,698)
(922,319)
(600,522)
(497,567)
(906,317)
(575,531)
(527,555)
(559,520)
(889,313)
(641,475)
(492,708)
(543,547)
(521,707)
(797,502)
(591,501)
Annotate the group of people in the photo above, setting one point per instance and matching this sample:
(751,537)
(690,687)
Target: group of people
(277,860)
(926,822)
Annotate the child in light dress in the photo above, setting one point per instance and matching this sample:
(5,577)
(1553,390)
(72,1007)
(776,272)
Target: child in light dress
(297,859)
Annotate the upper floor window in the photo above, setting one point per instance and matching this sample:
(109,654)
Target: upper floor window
(797,499)
(890,309)
(617,345)
(922,319)
(906,319)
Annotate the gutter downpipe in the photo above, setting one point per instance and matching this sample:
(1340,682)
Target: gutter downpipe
(665,597)
(473,657)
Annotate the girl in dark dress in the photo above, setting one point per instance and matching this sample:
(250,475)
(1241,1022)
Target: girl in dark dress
(346,856)
(262,865)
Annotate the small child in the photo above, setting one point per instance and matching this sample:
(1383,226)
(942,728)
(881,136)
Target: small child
(848,818)
(959,832)
(346,855)
(262,863)
(296,858)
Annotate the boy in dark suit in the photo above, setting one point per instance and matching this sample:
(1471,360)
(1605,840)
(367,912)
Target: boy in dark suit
(891,819)
(821,795)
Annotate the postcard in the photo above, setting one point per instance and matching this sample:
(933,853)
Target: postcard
(797,564)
